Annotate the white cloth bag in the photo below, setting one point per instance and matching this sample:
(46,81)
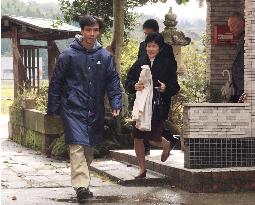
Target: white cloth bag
(142,109)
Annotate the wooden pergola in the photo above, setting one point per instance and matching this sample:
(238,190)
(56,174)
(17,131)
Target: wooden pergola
(26,57)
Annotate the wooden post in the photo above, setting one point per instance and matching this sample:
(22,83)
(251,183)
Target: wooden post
(51,58)
(16,74)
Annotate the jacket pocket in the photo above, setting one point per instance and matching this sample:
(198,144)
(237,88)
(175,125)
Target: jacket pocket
(73,100)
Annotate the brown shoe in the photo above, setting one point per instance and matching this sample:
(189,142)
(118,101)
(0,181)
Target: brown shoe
(165,154)
(140,176)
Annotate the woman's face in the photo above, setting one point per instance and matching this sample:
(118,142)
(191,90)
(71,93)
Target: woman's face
(152,49)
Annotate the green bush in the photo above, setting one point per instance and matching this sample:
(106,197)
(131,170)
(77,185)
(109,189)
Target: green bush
(193,83)
(40,96)
(59,148)
(128,57)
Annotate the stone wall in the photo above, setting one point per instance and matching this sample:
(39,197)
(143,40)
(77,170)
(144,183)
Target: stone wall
(212,120)
(34,129)
(220,57)
(218,135)
(249,59)
(223,135)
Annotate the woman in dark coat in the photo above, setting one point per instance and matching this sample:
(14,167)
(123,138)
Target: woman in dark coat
(164,78)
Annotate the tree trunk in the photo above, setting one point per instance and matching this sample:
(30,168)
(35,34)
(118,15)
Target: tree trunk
(118,30)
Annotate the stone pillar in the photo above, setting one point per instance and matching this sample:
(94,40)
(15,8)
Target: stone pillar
(174,37)
(249,59)
(177,54)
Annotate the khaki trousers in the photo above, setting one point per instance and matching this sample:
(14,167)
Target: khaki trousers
(81,157)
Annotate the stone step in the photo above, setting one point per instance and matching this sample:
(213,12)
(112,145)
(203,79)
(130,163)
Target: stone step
(169,168)
(193,180)
(124,173)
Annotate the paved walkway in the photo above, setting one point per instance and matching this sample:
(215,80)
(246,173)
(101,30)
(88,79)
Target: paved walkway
(29,178)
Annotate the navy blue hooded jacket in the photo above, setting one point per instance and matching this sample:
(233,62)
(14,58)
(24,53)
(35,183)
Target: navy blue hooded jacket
(77,90)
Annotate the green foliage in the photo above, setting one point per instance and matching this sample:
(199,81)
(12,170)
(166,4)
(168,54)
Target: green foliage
(186,1)
(33,140)
(33,9)
(193,81)
(181,1)
(40,96)
(128,57)
(17,105)
(103,9)
(58,147)
(41,99)
(194,87)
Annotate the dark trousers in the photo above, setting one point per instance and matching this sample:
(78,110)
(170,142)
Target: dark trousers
(234,98)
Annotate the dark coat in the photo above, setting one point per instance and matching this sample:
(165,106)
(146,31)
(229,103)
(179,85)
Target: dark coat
(238,68)
(166,51)
(77,91)
(164,70)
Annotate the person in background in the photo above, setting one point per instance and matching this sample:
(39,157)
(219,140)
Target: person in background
(84,73)
(236,26)
(165,85)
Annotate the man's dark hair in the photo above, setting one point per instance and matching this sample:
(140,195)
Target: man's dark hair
(155,37)
(88,20)
(151,24)
(238,15)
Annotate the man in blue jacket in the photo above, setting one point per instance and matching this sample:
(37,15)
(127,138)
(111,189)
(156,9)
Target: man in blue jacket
(84,73)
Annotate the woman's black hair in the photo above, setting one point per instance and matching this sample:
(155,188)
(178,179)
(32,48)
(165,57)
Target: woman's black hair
(155,37)
(89,20)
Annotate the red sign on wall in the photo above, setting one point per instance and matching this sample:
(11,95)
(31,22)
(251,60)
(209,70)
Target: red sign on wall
(222,36)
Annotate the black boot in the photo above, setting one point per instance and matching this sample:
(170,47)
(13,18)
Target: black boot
(169,136)
(83,194)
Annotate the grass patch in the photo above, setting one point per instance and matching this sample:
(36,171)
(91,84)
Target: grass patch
(5,104)
(7,94)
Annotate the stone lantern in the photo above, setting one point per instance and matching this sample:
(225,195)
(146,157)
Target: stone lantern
(174,37)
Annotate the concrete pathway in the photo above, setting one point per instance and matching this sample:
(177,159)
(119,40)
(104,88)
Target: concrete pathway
(29,178)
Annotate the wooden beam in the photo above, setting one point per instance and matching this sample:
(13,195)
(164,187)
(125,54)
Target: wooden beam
(33,46)
(39,36)
(7,34)
(51,58)
(38,67)
(16,75)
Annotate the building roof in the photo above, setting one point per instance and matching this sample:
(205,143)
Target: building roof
(36,28)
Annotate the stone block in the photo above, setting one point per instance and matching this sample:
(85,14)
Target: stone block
(40,122)
(16,116)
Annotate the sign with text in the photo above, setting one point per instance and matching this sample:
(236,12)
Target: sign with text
(222,36)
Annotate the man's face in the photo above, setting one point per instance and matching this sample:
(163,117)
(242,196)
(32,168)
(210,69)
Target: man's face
(90,35)
(235,26)
(147,31)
